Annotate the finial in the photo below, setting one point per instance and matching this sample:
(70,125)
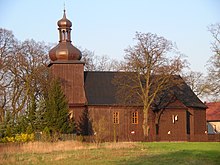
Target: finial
(64,8)
(64,11)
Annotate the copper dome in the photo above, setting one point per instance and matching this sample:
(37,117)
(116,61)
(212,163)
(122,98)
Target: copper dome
(64,22)
(64,50)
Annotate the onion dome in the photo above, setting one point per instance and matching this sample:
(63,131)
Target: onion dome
(64,50)
(64,22)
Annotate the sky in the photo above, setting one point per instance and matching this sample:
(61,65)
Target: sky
(107,27)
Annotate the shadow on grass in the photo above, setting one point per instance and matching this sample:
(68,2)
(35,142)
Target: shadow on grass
(184,157)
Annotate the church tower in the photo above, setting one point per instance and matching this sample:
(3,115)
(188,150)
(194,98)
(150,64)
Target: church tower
(66,65)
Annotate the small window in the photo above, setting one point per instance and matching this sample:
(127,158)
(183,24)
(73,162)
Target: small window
(135,117)
(116,117)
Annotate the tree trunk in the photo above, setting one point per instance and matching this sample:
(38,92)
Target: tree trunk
(145,125)
(2,114)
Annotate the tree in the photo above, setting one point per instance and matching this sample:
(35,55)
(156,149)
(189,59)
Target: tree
(23,75)
(148,72)
(197,82)
(56,114)
(99,128)
(98,63)
(88,58)
(28,72)
(84,124)
(214,62)
(7,43)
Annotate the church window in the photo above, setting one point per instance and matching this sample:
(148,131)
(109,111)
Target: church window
(116,117)
(135,117)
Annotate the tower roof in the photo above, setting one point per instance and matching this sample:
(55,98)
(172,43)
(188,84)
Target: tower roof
(64,51)
(64,22)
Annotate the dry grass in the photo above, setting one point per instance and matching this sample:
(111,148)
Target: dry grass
(120,145)
(50,153)
(73,152)
(47,147)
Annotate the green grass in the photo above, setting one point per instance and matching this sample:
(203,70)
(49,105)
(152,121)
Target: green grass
(138,153)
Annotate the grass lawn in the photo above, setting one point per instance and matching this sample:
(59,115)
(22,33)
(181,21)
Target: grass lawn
(113,153)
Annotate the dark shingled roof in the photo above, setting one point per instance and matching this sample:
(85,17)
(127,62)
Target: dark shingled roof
(185,94)
(100,90)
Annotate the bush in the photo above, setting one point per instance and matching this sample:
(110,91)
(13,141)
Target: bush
(23,137)
(46,135)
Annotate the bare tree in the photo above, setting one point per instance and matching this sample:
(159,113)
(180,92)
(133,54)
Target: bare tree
(98,63)
(23,75)
(7,43)
(197,82)
(148,72)
(26,68)
(88,58)
(214,62)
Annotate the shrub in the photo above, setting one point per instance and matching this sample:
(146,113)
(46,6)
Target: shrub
(46,135)
(23,137)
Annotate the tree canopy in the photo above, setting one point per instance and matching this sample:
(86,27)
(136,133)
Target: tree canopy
(24,85)
(150,71)
(214,62)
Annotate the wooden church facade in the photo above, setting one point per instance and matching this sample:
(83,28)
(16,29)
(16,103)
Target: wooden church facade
(93,104)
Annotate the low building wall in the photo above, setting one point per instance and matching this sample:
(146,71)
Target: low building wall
(198,138)
(214,137)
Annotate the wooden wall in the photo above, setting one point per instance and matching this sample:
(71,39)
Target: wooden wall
(198,125)
(125,130)
(72,78)
(170,128)
(173,125)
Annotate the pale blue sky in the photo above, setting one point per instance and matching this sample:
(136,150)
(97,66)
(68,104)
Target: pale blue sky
(107,27)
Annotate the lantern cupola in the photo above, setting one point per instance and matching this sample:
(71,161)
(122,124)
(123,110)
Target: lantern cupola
(64,51)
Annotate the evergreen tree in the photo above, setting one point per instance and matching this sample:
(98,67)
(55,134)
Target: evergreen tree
(85,125)
(71,126)
(56,114)
(40,122)
(31,114)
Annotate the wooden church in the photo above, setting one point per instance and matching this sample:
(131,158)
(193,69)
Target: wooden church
(92,101)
